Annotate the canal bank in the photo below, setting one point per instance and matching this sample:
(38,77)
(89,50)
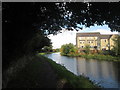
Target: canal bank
(95,56)
(104,73)
(41,72)
(70,79)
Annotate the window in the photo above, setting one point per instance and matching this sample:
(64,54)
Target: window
(88,41)
(95,47)
(105,40)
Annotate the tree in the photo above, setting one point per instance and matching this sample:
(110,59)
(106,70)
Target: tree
(87,49)
(116,47)
(21,21)
(67,48)
(47,49)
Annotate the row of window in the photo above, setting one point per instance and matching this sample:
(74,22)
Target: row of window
(82,42)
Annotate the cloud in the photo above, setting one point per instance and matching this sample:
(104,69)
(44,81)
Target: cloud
(63,38)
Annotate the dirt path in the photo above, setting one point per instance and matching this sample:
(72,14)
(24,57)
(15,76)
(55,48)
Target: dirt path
(37,74)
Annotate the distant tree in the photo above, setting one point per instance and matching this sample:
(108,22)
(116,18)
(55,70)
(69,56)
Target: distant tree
(87,49)
(47,49)
(116,47)
(67,48)
(56,50)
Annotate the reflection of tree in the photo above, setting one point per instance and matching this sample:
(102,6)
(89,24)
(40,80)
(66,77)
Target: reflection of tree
(116,71)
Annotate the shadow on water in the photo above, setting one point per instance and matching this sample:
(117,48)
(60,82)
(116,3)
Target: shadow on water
(104,73)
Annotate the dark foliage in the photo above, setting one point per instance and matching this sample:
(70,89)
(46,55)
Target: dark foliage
(21,22)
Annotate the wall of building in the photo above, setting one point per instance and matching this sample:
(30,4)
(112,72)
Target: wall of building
(112,42)
(103,43)
(83,41)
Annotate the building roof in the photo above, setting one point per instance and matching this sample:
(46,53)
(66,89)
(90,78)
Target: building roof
(105,36)
(87,34)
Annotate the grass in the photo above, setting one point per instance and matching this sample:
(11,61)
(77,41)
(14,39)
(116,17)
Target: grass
(94,56)
(71,54)
(70,78)
(43,53)
(101,57)
(41,72)
(36,73)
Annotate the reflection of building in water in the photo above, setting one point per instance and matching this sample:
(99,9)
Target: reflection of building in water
(95,40)
(103,72)
(81,66)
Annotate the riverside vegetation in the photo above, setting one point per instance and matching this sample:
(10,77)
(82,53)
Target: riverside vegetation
(72,51)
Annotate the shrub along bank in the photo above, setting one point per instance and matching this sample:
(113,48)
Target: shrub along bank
(101,57)
(71,51)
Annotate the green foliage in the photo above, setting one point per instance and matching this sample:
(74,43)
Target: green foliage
(47,49)
(37,43)
(70,79)
(67,49)
(105,52)
(116,47)
(56,50)
(101,57)
(87,49)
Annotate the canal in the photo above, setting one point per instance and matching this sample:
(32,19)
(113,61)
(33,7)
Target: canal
(104,73)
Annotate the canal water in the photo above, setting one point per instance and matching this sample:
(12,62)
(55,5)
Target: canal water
(104,73)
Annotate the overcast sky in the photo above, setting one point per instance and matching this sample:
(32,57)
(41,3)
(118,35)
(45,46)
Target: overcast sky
(70,36)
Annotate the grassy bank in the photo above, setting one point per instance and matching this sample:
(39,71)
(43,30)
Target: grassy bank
(101,57)
(69,79)
(36,73)
(43,53)
(41,72)
(70,55)
(94,56)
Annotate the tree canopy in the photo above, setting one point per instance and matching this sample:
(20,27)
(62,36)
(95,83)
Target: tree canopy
(21,21)
(53,16)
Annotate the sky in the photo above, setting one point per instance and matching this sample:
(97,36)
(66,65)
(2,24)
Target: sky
(70,36)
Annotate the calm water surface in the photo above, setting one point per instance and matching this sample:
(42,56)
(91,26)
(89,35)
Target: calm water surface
(104,73)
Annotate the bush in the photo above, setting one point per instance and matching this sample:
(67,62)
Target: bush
(87,49)
(67,49)
(47,49)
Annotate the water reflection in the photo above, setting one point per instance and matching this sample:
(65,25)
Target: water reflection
(69,63)
(103,72)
